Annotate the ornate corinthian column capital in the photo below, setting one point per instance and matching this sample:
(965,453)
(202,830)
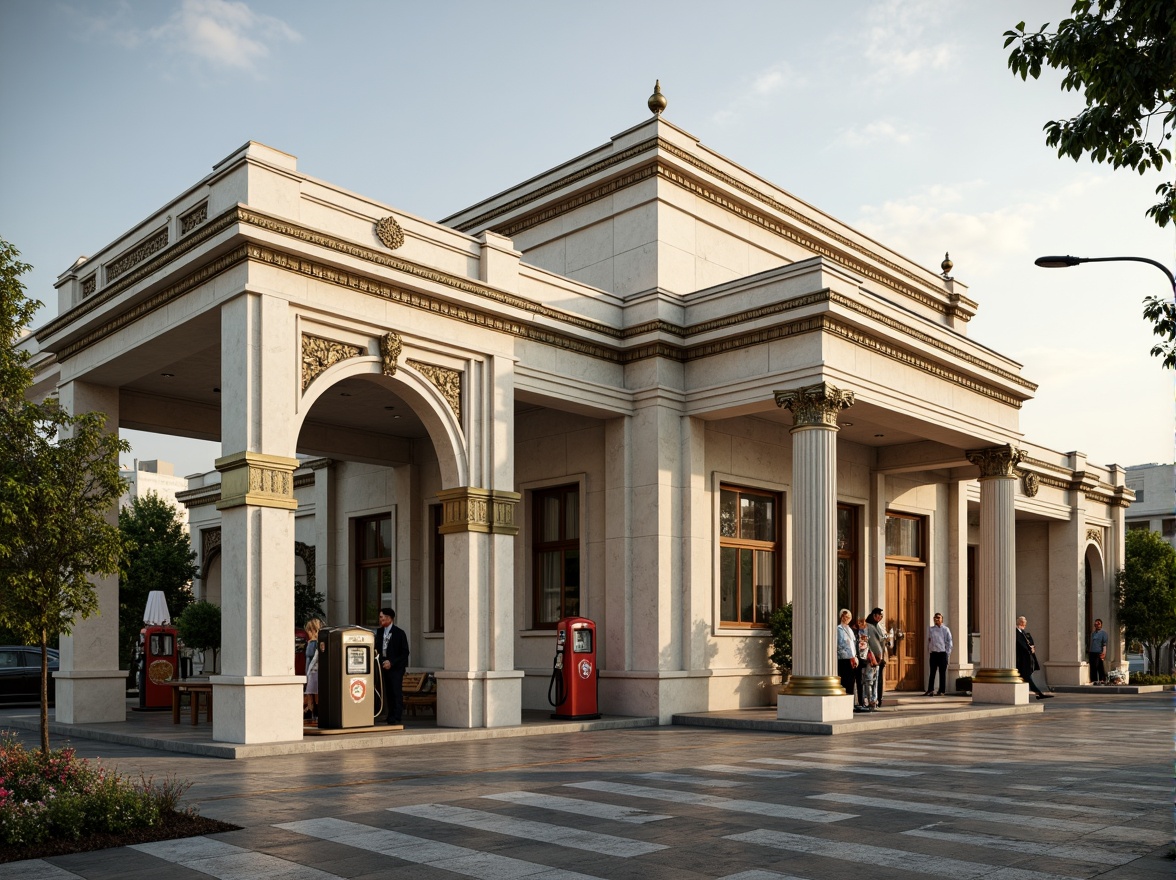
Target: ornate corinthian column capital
(815,404)
(996,461)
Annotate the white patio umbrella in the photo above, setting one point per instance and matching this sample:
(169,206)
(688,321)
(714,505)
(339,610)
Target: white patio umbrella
(156,613)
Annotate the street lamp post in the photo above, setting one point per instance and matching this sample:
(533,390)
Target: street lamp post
(1067,261)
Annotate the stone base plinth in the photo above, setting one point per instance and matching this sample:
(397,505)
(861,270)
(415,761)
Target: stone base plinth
(1004,693)
(1068,674)
(479,699)
(91,696)
(257,708)
(795,708)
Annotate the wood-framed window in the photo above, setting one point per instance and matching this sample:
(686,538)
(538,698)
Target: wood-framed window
(373,566)
(750,555)
(437,569)
(555,555)
(906,537)
(847,555)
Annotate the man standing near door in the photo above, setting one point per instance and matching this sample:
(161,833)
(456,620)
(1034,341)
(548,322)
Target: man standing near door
(392,647)
(939,647)
(1097,654)
(877,638)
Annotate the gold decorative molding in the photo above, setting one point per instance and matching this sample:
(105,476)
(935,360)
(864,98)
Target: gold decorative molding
(447,381)
(997,676)
(121,265)
(815,405)
(210,544)
(194,218)
(389,233)
(390,348)
(996,461)
(1095,535)
(1030,483)
(469,509)
(257,479)
(319,355)
(813,686)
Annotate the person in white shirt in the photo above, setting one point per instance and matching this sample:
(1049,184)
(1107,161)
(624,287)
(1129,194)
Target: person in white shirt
(939,647)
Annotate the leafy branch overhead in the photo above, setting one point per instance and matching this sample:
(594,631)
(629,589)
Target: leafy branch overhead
(1121,55)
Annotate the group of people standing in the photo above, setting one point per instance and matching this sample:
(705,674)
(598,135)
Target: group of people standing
(391,660)
(862,647)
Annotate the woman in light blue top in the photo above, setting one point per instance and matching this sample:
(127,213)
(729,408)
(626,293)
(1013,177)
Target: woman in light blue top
(846,651)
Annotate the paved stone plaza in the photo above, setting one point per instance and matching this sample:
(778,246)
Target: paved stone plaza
(1083,790)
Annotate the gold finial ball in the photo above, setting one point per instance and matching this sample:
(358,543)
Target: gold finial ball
(657,101)
(946,265)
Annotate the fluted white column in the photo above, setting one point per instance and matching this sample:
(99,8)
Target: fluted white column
(814,692)
(997,679)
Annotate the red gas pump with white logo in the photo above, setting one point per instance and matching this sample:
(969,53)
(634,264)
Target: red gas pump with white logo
(574,681)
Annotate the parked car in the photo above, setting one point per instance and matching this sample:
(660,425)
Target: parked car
(20,674)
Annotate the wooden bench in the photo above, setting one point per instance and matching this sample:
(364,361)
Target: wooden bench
(420,691)
(195,690)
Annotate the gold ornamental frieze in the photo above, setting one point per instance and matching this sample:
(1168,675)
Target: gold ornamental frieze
(257,479)
(447,381)
(470,509)
(1095,535)
(319,355)
(136,255)
(194,218)
(815,405)
(390,348)
(996,461)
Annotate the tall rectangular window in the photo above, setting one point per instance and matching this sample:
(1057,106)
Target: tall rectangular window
(749,555)
(555,548)
(847,555)
(373,575)
(904,536)
(437,569)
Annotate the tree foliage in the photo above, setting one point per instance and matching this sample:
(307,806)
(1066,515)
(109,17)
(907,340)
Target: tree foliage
(780,623)
(59,481)
(157,555)
(308,603)
(1146,589)
(1121,55)
(200,627)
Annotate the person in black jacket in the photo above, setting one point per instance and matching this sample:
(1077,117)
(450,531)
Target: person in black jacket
(1027,658)
(392,651)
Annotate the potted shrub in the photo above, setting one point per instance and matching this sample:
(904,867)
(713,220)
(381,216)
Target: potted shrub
(780,623)
(200,628)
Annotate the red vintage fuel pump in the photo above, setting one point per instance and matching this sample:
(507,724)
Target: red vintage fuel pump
(160,665)
(574,681)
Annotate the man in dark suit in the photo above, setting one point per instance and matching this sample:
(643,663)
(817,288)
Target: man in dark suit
(1027,658)
(392,652)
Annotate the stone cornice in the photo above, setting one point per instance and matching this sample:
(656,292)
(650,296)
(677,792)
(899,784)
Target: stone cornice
(955,305)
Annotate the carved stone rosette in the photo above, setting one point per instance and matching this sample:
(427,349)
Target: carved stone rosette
(390,348)
(996,461)
(447,381)
(1031,483)
(815,405)
(320,354)
(1095,535)
(257,479)
(389,233)
(469,509)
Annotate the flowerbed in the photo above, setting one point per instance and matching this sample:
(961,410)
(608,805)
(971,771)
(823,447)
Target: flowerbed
(51,801)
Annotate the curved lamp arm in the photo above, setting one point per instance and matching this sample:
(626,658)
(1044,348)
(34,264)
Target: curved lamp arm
(1067,261)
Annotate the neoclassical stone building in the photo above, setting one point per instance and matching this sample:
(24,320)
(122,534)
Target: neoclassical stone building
(646,386)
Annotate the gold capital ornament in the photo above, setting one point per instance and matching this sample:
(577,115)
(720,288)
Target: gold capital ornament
(815,405)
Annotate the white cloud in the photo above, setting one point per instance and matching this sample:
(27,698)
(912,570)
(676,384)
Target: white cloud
(896,40)
(758,90)
(224,33)
(873,133)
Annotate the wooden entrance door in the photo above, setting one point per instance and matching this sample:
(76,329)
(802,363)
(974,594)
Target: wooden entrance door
(904,614)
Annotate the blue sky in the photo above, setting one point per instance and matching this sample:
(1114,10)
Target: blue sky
(899,118)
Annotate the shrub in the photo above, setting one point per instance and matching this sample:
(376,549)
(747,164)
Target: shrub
(57,795)
(1143,678)
(780,623)
(200,627)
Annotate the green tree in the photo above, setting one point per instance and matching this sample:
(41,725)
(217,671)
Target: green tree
(157,556)
(200,627)
(1146,590)
(780,623)
(58,482)
(1121,55)
(308,603)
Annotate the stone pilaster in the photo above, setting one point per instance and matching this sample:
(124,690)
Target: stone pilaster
(997,681)
(814,692)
